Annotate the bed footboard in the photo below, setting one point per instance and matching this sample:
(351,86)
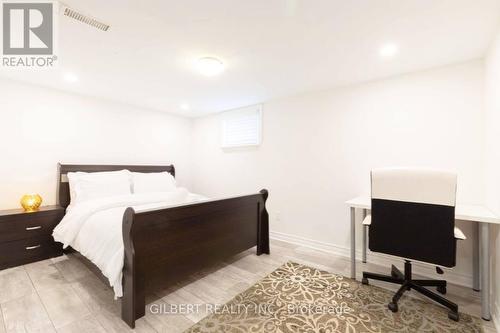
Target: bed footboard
(166,245)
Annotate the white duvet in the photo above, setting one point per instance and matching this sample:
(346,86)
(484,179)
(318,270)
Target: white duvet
(94,227)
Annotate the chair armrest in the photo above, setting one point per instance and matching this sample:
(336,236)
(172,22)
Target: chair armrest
(459,234)
(367,220)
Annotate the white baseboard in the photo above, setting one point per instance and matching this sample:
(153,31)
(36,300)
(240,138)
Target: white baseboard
(376,258)
(313,244)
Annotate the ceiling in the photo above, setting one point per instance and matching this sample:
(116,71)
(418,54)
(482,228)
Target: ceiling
(270,48)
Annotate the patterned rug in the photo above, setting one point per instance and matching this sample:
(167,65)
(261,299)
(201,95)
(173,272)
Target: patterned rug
(296,298)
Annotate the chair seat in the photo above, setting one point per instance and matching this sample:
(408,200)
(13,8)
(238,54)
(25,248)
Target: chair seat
(458,233)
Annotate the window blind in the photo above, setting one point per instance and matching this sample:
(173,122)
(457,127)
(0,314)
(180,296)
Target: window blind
(242,127)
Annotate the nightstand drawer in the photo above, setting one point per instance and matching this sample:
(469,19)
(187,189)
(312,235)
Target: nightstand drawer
(27,237)
(16,228)
(28,250)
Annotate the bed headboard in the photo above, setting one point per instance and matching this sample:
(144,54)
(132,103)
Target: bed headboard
(63,197)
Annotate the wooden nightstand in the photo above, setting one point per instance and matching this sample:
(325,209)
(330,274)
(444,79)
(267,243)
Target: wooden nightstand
(27,237)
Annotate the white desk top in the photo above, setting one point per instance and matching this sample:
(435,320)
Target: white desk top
(472,213)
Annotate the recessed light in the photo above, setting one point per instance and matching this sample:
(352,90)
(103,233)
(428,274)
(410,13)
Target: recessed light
(70,77)
(209,66)
(388,50)
(185,106)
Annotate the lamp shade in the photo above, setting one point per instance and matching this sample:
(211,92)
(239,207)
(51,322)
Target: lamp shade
(31,202)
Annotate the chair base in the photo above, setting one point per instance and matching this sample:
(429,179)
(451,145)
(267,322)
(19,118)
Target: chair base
(407,283)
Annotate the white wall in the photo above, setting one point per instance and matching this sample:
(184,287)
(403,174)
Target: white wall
(316,153)
(41,127)
(318,148)
(492,156)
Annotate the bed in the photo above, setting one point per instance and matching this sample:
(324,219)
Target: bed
(163,245)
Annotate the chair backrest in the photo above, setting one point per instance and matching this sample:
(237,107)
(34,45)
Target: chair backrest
(413,214)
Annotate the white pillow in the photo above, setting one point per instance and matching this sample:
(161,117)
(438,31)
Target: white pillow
(88,189)
(86,185)
(153,182)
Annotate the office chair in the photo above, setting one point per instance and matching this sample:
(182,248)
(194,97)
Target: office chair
(413,217)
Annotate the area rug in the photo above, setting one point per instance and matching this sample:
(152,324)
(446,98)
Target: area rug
(296,298)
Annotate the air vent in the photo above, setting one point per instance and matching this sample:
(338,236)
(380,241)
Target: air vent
(85,19)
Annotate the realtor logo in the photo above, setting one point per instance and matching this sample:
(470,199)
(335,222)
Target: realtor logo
(28,29)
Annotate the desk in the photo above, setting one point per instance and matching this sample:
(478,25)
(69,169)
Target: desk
(481,216)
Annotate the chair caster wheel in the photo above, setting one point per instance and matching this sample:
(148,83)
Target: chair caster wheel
(453,316)
(393,307)
(364,281)
(441,290)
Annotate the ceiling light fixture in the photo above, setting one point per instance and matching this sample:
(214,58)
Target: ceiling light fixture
(388,50)
(70,77)
(209,66)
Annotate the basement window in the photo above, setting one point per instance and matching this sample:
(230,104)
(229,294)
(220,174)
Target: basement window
(242,127)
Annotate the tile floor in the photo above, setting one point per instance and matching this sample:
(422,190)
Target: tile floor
(63,295)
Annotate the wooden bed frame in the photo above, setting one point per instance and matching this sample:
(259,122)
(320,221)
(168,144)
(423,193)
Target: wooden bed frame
(166,245)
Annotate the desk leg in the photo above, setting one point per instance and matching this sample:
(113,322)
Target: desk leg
(353,243)
(365,238)
(476,284)
(485,270)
